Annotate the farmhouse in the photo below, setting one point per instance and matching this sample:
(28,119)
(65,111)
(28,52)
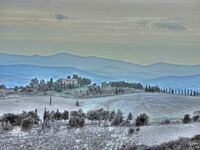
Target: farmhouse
(69,82)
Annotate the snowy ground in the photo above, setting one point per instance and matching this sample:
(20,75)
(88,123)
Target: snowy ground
(157,106)
(93,137)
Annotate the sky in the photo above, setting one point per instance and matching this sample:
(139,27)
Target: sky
(137,31)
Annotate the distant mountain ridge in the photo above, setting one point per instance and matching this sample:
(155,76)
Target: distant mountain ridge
(177,82)
(97,68)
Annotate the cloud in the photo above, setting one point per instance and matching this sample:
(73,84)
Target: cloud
(170,25)
(60,17)
(161,24)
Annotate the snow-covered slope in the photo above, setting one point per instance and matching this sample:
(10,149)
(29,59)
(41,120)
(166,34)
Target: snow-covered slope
(157,106)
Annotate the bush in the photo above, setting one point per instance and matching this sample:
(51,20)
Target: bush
(34,116)
(16,119)
(76,122)
(6,126)
(58,115)
(181,144)
(81,114)
(13,119)
(118,118)
(65,115)
(166,121)
(142,120)
(187,119)
(195,118)
(77,103)
(27,123)
(111,115)
(130,116)
(131,131)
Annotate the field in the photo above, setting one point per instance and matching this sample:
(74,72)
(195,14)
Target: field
(93,137)
(157,106)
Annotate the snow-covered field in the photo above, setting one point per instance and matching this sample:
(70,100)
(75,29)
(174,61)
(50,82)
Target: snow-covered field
(157,106)
(94,137)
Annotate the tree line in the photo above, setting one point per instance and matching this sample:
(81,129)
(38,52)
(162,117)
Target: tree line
(42,85)
(186,92)
(123,84)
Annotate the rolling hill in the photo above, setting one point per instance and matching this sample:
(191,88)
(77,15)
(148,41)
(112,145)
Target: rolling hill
(18,69)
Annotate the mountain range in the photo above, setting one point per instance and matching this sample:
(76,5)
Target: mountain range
(19,69)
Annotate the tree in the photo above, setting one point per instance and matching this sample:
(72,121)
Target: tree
(76,122)
(77,103)
(77,119)
(84,81)
(50,100)
(16,88)
(104,84)
(142,120)
(58,115)
(118,118)
(111,116)
(34,84)
(65,115)
(43,86)
(130,116)
(75,76)
(195,118)
(50,84)
(186,119)
(2,86)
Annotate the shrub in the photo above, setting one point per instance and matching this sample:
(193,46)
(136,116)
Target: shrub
(73,113)
(142,120)
(76,122)
(13,119)
(111,116)
(65,115)
(34,116)
(195,118)
(130,116)
(58,115)
(187,119)
(77,103)
(81,114)
(6,126)
(118,118)
(166,121)
(27,123)
(181,144)
(131,131)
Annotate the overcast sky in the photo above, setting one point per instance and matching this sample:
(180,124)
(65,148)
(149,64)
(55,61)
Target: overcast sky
(138,31)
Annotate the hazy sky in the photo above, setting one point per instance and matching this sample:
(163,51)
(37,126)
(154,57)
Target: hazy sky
(138,31)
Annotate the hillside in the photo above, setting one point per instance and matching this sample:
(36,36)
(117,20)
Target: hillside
(157,106)
(19,69)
